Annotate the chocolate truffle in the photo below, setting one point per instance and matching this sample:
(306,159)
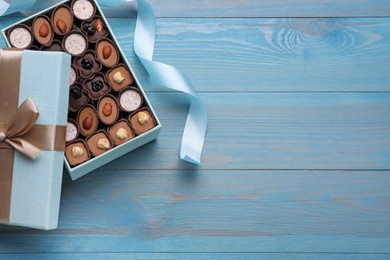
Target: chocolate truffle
(77,97)
(75,43)
(72,130)
(62,20)
(77,153)
(55,46)
(87,120)
(83,9)
(120,77)
(130,99)
(107,53)
(108,110)
(142,121)
(42,30)
(95,30)
(73,75)
(121,132)
(20,37)
(87,64)
(99,143)
(97,86)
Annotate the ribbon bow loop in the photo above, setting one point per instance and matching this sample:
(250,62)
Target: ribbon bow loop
(19,125)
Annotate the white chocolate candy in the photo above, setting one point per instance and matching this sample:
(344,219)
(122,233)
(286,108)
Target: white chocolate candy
(71,132)
(20,38)
(83,9)
(130,100)
(75,44)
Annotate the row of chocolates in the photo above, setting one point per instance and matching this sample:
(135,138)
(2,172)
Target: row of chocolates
(106,108)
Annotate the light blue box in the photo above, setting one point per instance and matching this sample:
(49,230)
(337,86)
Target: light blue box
(36,184)
(83,169)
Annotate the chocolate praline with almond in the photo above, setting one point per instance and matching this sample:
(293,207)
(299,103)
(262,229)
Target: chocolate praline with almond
(77,97)
(62,20)
(123,127)
(99,143)
(42,30)
(97,86)
(87,120)
(88,65)
(142,121)
(76,157)
(124,74)
(107,53)
(108,110)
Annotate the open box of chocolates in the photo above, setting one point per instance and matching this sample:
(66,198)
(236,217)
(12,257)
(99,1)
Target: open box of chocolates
(109,114)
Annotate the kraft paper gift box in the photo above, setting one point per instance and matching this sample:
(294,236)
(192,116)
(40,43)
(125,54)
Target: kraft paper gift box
(80,170)
(30,188)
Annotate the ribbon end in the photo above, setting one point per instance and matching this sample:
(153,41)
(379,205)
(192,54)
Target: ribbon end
(191,160)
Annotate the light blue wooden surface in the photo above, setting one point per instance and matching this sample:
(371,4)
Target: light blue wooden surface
(296,159)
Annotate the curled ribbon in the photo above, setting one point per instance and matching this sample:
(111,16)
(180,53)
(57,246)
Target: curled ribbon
(163,74)
(18,126)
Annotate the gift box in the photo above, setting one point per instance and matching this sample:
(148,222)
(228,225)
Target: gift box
(109,114)
(33,118)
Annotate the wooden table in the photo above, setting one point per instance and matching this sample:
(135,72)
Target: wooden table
(296,162)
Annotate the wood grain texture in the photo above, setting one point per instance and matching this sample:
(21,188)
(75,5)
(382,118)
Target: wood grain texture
(274,131)
(216,211)
(210,256)
(252,8)
(268,54)
(297,155)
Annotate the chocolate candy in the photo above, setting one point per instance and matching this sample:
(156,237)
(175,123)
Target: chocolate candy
(62,20)
(83,9)
(108,110)
(87,120)
(20,37)
(72,130)
(130,99)
(42,30)
(75,43)
(97,86)
(120,77)
(107,53)
(102,92)
(87,65)
(142,121)
(121,132)
(77,153)
(77,97)
(99,143)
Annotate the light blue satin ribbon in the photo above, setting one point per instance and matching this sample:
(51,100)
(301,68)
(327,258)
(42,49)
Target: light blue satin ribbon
(163,74)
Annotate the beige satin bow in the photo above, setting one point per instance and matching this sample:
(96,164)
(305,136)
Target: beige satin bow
(19,125)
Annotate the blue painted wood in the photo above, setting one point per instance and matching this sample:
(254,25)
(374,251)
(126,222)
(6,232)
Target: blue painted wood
(269,54)
(211,256)
(253,8)
(291,102)
(216,211)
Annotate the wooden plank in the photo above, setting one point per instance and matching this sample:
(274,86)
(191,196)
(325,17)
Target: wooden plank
(216,211)
(269,54)
(252,8)
(184,256)
(274,131)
